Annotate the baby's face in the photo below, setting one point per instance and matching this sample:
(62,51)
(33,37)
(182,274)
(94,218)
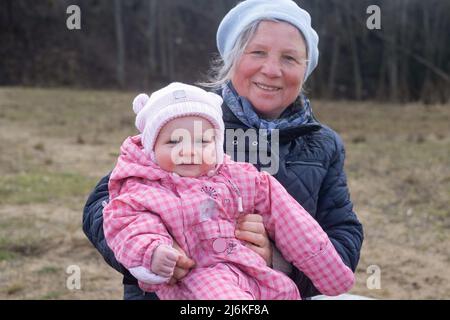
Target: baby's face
(186,146)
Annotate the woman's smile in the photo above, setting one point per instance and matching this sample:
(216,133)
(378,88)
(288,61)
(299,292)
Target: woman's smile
(266,87)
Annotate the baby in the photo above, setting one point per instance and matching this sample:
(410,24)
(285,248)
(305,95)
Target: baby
(174,183)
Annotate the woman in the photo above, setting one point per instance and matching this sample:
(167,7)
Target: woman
(268,50)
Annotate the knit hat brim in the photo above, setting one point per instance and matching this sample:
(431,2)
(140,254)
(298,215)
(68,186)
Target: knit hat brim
(179,110)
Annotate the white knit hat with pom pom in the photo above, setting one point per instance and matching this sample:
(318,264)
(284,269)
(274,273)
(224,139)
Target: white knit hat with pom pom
(174,101)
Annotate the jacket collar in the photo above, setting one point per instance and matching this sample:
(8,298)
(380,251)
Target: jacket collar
(232,122)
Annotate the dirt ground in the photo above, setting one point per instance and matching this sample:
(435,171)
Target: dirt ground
(55,144)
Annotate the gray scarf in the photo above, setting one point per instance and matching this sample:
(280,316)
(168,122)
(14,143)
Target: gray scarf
(297,114)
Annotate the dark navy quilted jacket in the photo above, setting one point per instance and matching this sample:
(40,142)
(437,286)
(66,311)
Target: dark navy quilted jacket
(310,168)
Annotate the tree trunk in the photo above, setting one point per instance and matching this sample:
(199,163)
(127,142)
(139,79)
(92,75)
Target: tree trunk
(335,56)
(357,78)
(120,71)
(404,42)
(162,37)
(170,40)
(151,38)
(381,88)
(425,92)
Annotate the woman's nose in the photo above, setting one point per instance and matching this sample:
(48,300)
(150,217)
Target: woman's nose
(271,67)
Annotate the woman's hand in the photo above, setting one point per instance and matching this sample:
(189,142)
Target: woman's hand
(184,264)
(250,228)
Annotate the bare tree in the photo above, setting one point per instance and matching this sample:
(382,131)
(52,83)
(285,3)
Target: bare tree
(352,38)
(334,65)
(151,36)
(120,71)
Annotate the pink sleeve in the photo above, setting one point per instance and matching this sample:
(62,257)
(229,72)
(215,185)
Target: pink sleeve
(132,232)
(300,238)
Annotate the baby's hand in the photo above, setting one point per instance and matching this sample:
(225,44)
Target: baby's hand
(164,260)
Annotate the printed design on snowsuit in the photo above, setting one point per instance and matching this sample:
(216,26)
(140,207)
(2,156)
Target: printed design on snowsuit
(210,191)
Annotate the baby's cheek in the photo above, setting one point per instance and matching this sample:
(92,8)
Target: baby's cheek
(165,160)
(209,156)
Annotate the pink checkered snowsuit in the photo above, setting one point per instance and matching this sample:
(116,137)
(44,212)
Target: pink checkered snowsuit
(149,206)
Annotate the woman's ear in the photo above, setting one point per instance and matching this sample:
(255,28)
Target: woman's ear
(139,102)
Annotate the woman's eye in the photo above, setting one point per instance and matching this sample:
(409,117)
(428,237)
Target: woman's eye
(257,53)
(290,58)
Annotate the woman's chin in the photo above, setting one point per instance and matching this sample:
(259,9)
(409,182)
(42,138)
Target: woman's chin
(267,111)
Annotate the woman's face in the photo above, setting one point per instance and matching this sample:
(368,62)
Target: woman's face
(271,70)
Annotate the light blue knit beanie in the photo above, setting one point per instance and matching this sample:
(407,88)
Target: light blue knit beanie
(246,12)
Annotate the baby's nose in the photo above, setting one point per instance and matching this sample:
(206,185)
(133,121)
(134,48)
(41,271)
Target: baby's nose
(192,153)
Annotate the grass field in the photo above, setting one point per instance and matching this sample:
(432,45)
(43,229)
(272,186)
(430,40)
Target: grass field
(55,144)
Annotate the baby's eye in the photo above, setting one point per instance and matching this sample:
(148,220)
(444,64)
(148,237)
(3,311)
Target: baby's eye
(173,141)
(204,141)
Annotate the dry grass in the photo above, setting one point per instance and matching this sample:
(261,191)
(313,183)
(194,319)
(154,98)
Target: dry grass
(56,143)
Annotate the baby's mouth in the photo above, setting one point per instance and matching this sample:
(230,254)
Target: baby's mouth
(191,163)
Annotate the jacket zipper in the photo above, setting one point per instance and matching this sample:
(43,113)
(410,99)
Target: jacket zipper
(236,189)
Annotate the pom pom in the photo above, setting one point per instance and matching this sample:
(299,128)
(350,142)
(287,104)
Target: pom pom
(139,102)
